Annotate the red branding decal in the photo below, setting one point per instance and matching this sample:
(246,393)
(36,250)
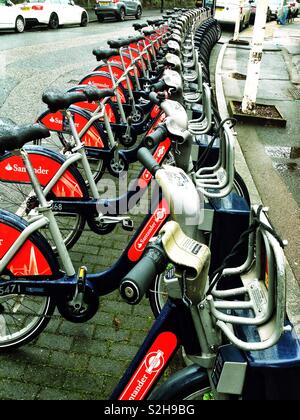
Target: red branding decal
(159,120)
(91,138)
(12,169)
(150,368)
(117,72)
(157,219)
(155,111)
(54,122)
(103,82)
(29,261)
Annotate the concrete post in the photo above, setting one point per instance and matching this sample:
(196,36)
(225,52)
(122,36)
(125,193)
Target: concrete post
(236,34)
(253,72)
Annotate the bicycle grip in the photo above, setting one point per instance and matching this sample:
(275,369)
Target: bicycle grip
(154,139)
(134,286)
(159,86)
(147,160)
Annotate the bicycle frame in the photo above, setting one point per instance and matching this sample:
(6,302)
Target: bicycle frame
(173,327)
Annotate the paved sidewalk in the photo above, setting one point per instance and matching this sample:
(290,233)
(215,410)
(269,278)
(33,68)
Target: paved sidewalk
(272,153)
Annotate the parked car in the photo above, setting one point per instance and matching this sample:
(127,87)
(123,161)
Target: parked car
(118,8)
(226,12)
(11,17)
(53,13)
(276,6)
(253,12)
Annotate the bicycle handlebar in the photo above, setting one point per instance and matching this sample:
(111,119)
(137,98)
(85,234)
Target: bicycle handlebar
(147,160)
(154,139)
(159,86)
(134,286)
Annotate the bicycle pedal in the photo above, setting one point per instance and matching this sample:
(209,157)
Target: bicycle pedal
(81,279)
(128,225)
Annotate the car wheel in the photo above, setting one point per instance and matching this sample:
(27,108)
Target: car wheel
(84,20)
(54,21)
(100,18)
(139,13)
(122,15)
(20,25)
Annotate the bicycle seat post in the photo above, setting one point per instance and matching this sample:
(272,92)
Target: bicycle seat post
(45,208)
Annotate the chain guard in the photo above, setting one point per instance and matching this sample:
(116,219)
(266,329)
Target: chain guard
(100,228)
(88,310)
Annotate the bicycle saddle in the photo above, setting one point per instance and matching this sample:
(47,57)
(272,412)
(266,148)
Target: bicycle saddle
(148,32)
(136,38)
(57,100)
(14,137)
(139,26)
(119,43)
(104,53)
(153,21)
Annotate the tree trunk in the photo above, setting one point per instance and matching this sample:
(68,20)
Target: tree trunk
(253,73)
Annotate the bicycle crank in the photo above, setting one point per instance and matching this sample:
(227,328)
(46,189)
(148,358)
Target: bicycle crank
(83,305)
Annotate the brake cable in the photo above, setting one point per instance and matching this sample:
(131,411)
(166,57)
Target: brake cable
(205,155)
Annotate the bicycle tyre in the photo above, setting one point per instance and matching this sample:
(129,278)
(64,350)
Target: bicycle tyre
(24,336)
(190,383)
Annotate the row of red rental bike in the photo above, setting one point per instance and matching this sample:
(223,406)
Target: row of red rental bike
(211,265)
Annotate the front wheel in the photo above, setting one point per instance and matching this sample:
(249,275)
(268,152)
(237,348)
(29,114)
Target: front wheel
(22,319)
(53,22)
(190,383)
(84,20)
(20,25)
(139,13)
(19,199)
(122,15)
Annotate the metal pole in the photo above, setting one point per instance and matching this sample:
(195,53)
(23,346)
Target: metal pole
(162,6)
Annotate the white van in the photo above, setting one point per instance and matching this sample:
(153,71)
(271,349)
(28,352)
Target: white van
(226,12)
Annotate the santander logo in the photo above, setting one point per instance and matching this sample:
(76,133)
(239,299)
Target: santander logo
(151,366)
(154,362)
(155,222)
(22,169)
(55,120)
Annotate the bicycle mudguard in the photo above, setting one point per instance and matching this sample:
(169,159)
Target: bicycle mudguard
(93,106)
(185,381)
(127,62)
(103,81)
(46,164)
(34,259)
(93,137)
(118,72)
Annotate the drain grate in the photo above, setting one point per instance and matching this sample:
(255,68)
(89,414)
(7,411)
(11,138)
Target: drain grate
(295,93)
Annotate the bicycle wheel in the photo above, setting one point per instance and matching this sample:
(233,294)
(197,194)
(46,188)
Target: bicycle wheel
(190,383)
(60,143)
(20,199)
(23,318)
